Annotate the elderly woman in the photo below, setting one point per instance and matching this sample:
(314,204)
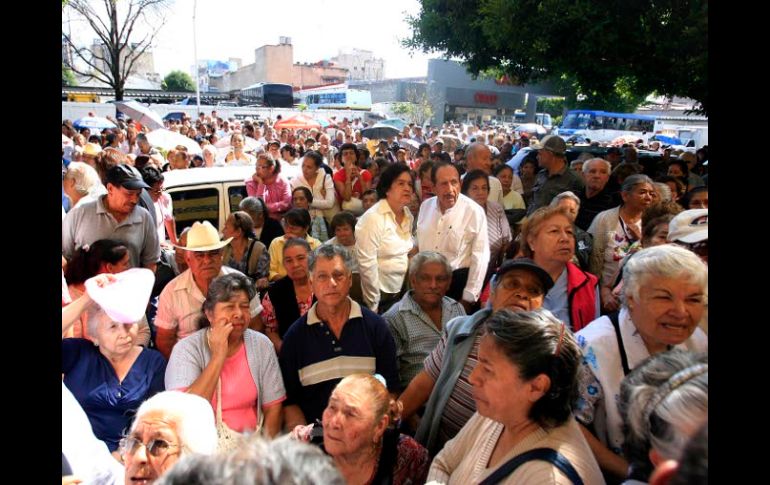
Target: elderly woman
(360,433)
(111,375)
(290,297)
(583,241)
(229,364)
(268,184)
(296,223)
(616,230)
(547,237)
(315,178)
(237,157)
(523,386)
(663,402)
(665,292)
(81,184)
(302,198)
(164,209)
(265,228)
(168,427)
(697,198)
(385,239)
(512,188)
(105,256)
(244,252)
(476,186)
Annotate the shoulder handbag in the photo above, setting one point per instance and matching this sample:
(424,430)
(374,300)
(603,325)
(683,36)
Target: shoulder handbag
(545,454)
(227,438)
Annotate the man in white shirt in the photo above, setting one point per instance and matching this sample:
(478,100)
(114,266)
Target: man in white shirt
(479,157)
(455,226)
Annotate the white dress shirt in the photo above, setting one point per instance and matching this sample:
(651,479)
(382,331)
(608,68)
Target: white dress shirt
(460,234)
(382,248)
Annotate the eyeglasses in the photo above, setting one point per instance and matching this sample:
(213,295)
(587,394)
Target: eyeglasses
(155,447)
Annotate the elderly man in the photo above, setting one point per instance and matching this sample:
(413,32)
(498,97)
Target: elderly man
(597,196)
(168,426)
(519,285)
(479,157)
(556,176)
(452,224)
(265,228)
(115,216)
(417,319)
(335,338)
(180,303)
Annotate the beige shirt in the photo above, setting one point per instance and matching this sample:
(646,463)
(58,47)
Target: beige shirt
(464,459)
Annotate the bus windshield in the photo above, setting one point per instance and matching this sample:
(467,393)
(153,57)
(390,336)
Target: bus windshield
(577,121)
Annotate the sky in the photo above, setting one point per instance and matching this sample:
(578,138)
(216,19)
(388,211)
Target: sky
(318,30)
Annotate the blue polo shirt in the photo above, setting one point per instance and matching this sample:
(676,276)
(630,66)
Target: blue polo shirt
(313,360)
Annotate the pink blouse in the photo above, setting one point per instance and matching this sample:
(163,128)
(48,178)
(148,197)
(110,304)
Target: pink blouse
(239,394)
(277,196)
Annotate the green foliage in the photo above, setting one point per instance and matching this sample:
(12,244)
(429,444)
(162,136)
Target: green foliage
(178,81)
(612,52)
(416,109)
(552,106)
(67,77)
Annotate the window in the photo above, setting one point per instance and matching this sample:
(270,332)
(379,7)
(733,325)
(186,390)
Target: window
(235,194)
(190,205)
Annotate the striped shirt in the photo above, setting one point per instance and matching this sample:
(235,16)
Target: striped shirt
(498,232)
(460,406)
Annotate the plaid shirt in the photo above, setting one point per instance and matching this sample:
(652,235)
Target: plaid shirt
(415,333)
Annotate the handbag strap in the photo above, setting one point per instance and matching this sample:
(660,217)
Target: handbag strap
(219,401)
(544,454)
(621,348)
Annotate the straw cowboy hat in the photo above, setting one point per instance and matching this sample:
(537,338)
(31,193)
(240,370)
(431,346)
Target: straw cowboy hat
(204,237)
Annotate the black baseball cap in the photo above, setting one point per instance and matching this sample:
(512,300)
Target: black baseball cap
(126,176)
(529,265)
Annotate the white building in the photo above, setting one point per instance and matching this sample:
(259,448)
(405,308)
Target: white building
(361,64)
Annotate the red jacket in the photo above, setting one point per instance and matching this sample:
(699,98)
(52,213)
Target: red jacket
(581,296)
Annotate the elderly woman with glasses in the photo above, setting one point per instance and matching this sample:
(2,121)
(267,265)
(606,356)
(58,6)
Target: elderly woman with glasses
(664,297)
(228,364)
(164,209)
(523,386)
(168,426)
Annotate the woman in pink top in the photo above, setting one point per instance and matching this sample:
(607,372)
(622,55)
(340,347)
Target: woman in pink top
(268,184)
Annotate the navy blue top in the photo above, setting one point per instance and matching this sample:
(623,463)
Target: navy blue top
(305,345)
(110,405)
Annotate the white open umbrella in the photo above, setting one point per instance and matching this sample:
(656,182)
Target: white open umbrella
(169,140)
(140,113)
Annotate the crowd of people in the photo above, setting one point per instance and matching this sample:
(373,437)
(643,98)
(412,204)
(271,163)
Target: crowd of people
(383,311)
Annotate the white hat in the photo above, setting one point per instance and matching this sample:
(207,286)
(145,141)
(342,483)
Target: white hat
(690,226)
(124,300)
(204,237)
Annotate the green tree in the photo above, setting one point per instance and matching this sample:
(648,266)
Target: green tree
(605,48)
(178,81)
(118,46)
(417,109)
(67,77)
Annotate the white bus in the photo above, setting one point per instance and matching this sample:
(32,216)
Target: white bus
(604,126)
(336,97)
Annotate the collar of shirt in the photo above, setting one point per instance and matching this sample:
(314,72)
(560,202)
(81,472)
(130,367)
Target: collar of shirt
(355,312)
(188,285)
(385,208)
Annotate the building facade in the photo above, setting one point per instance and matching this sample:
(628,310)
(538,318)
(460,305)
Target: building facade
(361,65)
(310,75)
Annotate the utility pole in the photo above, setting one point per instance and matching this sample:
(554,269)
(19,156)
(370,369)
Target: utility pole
(195,51)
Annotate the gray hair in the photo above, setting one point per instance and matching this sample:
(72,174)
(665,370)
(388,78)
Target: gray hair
(330,251)
(297,241)
(664,261)
(633,180)
(663,401)
(251,204)
(194,419)
(424,257)
(565,195)
(282,460)
(94,319)
(664,191)
(85,176)
(584,157)
(222,289)
(607,164)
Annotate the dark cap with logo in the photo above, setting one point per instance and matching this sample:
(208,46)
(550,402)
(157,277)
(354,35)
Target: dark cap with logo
(529,265)
(126,176)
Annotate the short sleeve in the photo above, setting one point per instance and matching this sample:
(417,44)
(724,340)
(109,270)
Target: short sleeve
(590,394)
(435,359)
(289,367)
(183,365)
(71,349)
(272,381)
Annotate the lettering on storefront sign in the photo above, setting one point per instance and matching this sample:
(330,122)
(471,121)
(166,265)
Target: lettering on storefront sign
(485,98)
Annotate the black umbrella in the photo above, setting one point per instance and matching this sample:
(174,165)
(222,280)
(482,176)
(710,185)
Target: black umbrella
(379,132)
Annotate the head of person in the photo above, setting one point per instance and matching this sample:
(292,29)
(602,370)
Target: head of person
(396,185)
(655,231)
(519,285)
(154,178)
(577,166)
(479,157)
(691,467)
(529,166)
(675,185)
(124,187)
(228,303)
(109,158)
(631,155)
(349,154)
(296,223)
(301,198)
(359,412)
(663,192)
(330,274)
(446,184)
(401,155)
(168,426)
(637,192)
(614,155)
(697,198)
(504,174)
(80,180)
(369,198)
(548,236)
(552,153)
(476,186)
(423,151)
(690,230)
(678,169)
(273,148)
(179,253)
(203,251)
(690,158)
(569,201)
(296,255)
(343,226)
(267,167)
(430,276)
(665,291)
(596,173)
(102,256)
(239,225)
(237,141)
(259,460)
(527,369)
(115,339)
(311,163)
(180,160)
(663,402)
(254,207)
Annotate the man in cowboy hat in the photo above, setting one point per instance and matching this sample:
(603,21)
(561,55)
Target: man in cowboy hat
(181,300)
